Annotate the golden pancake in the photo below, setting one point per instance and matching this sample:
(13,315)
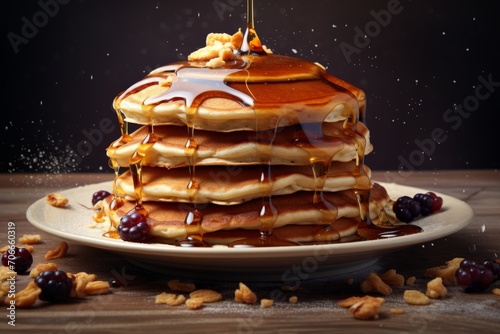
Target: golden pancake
(233,185)
(248,93)
(167,219)
(290,146)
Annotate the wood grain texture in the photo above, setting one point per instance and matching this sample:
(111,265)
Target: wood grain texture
(131,308)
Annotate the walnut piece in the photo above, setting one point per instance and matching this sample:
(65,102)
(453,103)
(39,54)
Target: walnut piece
(30,239)
(496,291)
(266,303)
(293,299)
(366,307)
(80,281)
(207,296)
(415,297)
(373,282)
(6,273)
(170,299)
(194,303)
(25,297)
(57,200)
(60,251)
(392,278)
(244,295)
(178,286)
(446,272)
(411,280)
(97,288)
(435,288)
(41,268)
(219,48)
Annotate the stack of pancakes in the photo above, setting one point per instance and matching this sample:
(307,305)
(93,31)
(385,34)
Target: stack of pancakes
(262,150)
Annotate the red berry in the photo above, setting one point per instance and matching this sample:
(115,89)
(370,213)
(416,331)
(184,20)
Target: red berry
(17,259)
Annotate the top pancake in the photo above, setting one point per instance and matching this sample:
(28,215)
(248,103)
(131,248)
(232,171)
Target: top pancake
(249,93)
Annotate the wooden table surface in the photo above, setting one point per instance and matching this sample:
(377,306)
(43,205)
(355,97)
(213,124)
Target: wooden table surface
(131,308)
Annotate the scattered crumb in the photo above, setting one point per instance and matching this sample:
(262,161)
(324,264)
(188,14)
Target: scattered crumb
(194,303)
(415,297)
(207,296)
(60,251)
(435,288)
(56,200)
(178,286)
(411,280)
(373,283)
(244,295)
(266,303)
(170,299)
(446,272)
(396,310)
(30,239)
(293,299)
(366,307)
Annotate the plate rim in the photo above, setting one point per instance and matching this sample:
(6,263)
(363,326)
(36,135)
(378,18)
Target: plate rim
(350,248)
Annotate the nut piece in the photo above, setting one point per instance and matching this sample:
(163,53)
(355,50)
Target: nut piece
(170,299)
(194,303)
(411,280)
(41,268)
(373,282)
(266,303)
(446,272)
(293,299)
(366,307)
(207,296)
(178,286)
(396,310)
(97,288)
(6,273)
(435,288)
(244,295)
(80,281)
(60,251)
(496,291)
(392,278)
(30,239)
(415,297)
(57,200)
(25,297)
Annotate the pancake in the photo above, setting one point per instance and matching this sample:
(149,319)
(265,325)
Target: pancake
(291,146)
(248,93)
(167,219)
(233,185)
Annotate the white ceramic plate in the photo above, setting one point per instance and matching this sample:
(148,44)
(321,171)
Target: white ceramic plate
(286,264)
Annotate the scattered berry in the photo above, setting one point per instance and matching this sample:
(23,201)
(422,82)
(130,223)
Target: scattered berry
(133,227)
(17,259)
(99,196)
(473,276)
(56,285)
(407,208)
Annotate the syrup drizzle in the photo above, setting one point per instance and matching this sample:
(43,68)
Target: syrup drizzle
(251,42)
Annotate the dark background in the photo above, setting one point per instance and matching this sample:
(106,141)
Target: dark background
(61,76)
